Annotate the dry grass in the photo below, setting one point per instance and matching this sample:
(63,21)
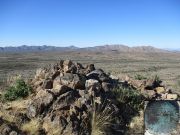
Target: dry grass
(103,118)
(6,116)
(32,127)
(137,125)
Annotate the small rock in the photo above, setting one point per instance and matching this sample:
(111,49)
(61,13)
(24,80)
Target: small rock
(160,90)
(60,89)
(172,96)
(92,83)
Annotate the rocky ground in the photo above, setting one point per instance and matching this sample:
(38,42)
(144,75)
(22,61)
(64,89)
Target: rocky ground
(72,99)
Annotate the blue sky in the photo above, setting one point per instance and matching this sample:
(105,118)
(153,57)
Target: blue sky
(90,22)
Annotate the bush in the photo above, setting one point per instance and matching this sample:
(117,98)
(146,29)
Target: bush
(19,90)
(129,96)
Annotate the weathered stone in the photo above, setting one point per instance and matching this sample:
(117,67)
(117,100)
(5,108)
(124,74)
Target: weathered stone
(160,90)
(48,84)
(172,96)
(69,67)
(65,100)
(92,83)
(90,68)
(56,81)
(94,74)
(67,63)
(107,86)
(55,74)
(73,81)
(39,103)
(54,124)
(60,89)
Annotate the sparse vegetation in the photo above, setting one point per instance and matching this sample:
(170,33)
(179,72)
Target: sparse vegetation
(129,96)
(105,120)
(140,77)
(19,90)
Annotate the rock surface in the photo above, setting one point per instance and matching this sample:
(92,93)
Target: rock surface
(66,95)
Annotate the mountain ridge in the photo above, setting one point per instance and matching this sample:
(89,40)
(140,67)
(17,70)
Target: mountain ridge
(113,47)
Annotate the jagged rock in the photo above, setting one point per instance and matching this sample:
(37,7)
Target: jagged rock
(94,74)
(57,81)
(73,81)
(48,84)
(98,74)
(55,74)
(39,103)
(69,67)
(65,100)
(92,83)
(60,89)
(90,68)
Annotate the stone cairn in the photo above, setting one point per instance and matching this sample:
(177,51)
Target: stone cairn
(66,95)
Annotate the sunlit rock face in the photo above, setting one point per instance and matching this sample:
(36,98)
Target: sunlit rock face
(161,117)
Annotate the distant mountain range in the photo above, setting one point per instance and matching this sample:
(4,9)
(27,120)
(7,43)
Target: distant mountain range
(104,48)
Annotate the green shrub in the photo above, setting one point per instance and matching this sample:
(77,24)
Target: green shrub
(129,96)
(19,90)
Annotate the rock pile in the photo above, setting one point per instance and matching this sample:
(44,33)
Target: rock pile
(153,89)
(67,94)
(68,98)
